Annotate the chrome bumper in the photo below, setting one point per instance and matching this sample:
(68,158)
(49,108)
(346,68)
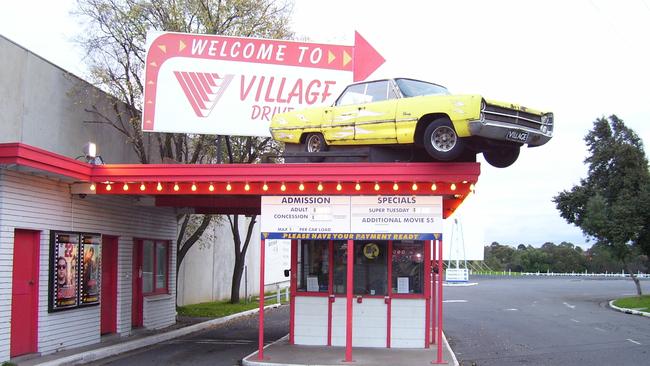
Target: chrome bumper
(496,130)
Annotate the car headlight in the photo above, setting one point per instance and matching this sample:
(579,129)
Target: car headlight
(547,118)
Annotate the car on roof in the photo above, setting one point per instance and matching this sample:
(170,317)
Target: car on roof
(408,111)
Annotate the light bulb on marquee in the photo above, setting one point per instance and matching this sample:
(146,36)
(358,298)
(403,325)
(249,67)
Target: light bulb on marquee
(228,187)
(159,187)
(193,187)
(142,187)
(339,187)
(108,187)
(453,186)
(377,186)
(176,187)
(414,187)
(395,187)
(211,187)
(265,187)
(320,187)
(247,187)
(283,187)
(357,187)
(301,187)
(125,187)
(93,187)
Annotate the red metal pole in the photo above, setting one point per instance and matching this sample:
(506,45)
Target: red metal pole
(427,291)
(389,292)
(440,279)
(432,285)
(330,290)
(260,345)
(293,284)
(349,292)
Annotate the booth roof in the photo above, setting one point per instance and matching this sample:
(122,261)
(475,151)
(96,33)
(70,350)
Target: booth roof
(237,188)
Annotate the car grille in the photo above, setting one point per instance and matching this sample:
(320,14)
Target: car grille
(513,116)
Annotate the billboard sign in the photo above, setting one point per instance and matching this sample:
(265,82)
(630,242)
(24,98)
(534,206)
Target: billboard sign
(207,84)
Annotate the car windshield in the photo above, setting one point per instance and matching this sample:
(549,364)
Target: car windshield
(414,88)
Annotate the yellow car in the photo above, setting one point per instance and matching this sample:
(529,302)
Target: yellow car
(407,111)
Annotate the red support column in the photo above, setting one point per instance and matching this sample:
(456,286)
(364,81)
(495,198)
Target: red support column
(432,286)
(349,293)
(389,292)
(293,285)
(427,291)
(260,345)
(440,279)
(330,290)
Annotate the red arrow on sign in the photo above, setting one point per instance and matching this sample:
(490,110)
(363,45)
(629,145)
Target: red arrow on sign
(361,59)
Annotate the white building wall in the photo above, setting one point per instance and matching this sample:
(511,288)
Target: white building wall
(206,272)
(35,203)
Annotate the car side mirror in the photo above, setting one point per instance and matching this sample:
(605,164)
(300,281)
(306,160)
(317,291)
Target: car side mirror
(286,272)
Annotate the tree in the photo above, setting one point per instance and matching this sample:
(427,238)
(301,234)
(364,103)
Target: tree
(612,204)
(115,47)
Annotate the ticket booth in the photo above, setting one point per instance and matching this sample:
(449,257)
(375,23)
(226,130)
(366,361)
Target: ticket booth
(361,267)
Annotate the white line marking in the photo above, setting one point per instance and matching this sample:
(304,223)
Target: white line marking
(600,329)
(633,341)
(511,309)
(575,321)
(569,305)
(454,301)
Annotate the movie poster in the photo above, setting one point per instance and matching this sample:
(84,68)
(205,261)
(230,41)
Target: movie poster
(65,274)
(90,269)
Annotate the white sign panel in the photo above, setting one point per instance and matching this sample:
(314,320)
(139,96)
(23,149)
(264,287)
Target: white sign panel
(456,275)
(305,214)
(396,214)
(208,84)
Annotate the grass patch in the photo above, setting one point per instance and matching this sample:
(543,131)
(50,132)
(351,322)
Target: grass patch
(638,303)
(218,309)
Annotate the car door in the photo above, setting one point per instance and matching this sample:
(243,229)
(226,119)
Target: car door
(376,117)
(340,125)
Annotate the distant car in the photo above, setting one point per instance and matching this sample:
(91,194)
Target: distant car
(408,111)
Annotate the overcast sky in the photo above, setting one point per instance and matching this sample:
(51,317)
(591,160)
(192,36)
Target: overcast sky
(580,59)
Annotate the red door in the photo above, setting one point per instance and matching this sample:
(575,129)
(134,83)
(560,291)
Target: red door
(109,285)
(136,300)
(24,293)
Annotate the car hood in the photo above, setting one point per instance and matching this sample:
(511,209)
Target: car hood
(516,107)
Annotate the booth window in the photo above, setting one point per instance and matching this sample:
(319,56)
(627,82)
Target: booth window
(370,268)
(408,267)
(313,266)
(155,267)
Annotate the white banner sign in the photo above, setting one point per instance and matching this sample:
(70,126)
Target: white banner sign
(323,215)
(208,84)
(396,214)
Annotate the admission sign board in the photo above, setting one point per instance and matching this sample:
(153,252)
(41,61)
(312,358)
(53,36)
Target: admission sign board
(352,217)
(207,84)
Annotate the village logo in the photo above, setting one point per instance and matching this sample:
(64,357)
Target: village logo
(203,89)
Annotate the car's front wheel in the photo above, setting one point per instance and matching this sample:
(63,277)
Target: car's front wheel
(314,143)
(503,157)
(441,140)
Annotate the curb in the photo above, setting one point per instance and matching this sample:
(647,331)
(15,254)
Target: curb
(246,362)
(628,311)
(96,354)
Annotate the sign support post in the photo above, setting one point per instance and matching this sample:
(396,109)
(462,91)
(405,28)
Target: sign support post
(440,277)
(260,346)
(349,290)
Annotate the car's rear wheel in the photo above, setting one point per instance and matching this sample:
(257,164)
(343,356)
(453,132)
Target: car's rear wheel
(314,143)
(441,140)
(502,157)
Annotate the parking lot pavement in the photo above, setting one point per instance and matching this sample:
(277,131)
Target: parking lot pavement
(545,321)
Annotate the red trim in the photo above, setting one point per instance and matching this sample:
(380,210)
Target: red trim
(255,175)
(389,292)
(330,290)
(260,344)
(349,295)
(432,286)
(440,279)
(311,294)
(427,291)
(292,289)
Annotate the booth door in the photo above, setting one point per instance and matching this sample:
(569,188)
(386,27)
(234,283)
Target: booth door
(24,293)
(369,307)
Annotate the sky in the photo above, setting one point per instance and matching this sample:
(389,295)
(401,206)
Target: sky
(581,59)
